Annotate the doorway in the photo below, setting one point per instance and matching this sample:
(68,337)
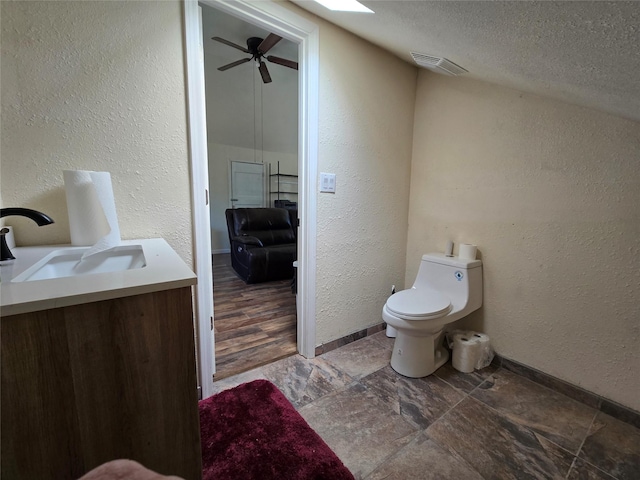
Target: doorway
(252,125)
(287,24)
(247,185)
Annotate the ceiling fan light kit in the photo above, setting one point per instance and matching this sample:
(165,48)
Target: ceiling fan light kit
(438,64)
(257,47)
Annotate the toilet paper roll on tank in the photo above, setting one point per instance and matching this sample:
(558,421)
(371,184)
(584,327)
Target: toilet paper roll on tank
(467,251)
(93,220)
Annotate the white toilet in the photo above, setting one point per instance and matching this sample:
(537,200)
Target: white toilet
(446,289)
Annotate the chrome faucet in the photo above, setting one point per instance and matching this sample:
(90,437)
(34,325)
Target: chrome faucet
(38,217)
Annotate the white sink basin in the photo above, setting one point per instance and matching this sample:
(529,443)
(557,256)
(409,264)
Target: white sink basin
(67,262)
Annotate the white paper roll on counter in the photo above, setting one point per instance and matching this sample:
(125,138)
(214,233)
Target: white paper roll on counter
(467,251)
(93,219)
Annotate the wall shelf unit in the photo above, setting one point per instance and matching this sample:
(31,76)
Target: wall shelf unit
(283,189)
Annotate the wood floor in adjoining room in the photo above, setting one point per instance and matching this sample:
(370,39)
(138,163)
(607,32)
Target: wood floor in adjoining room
(254,324)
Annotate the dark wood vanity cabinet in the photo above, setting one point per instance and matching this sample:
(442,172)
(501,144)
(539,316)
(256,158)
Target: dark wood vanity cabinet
(90,383)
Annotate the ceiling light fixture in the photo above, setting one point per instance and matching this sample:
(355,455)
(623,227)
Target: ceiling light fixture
(344,6)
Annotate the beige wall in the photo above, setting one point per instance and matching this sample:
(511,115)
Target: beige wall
(550,193)
(96,86)
(100,85)
(366,115)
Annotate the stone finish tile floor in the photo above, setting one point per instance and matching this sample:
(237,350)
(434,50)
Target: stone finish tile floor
(490,424)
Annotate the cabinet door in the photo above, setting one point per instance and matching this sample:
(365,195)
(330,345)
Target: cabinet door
(90,383)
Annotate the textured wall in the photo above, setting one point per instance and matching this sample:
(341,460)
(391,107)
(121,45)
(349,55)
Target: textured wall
(96,86)
(549,192)
(366,114)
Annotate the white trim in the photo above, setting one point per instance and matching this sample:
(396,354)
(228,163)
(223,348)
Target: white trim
(199,189)
(275,18)
(220,250)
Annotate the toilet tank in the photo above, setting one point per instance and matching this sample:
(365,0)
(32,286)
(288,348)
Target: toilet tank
(457,278)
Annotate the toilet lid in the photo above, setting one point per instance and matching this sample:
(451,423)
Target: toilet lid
(421,303)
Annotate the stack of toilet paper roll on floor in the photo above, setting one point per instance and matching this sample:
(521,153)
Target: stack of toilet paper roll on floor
(471,350)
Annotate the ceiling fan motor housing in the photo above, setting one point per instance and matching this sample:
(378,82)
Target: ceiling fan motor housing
(253,43)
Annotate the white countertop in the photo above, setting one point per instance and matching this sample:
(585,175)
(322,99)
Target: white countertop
(164,270)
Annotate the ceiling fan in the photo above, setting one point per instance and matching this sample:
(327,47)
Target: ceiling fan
(257,48)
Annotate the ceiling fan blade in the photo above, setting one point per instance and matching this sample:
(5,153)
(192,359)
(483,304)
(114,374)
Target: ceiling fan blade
(266,78)
(268,43)
(231,44)
(283,61)
(233,64)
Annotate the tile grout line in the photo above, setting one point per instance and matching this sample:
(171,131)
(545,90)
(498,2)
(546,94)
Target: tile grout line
(500,414)
(575,457)
(452,450)
(465,395)
(355,381)
(582,445)
(526,427)
(395,453)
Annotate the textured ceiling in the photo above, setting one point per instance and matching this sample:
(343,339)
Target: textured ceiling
(587,53)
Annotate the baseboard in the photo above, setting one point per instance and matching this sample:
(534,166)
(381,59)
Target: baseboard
(581,395)
(221,250)
(620,412)
(352,337)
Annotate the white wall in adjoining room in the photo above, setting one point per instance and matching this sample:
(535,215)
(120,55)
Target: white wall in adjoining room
(219,184)
(247,120)
(549,192)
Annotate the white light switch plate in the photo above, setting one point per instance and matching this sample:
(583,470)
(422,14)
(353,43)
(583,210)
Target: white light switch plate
(328,182)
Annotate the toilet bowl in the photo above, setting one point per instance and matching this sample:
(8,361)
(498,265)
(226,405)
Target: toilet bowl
(445,290)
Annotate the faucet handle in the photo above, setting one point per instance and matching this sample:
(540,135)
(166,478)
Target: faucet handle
(5,253)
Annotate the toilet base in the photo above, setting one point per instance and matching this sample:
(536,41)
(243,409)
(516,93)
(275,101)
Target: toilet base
(418,356)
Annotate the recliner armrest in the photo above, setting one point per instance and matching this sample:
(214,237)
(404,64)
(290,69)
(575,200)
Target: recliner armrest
(248,240)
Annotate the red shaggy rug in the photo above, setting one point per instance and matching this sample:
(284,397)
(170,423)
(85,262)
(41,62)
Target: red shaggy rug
(253,432)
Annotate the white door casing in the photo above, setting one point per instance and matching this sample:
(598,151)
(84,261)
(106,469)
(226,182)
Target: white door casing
(203,295)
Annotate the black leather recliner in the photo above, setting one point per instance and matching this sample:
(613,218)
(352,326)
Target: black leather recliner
(263,243)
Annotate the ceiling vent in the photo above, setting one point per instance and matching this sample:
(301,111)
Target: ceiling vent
(437,64)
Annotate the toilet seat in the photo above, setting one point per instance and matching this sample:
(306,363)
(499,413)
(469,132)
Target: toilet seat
(422,304)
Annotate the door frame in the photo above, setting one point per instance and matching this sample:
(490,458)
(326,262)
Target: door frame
(284,22)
